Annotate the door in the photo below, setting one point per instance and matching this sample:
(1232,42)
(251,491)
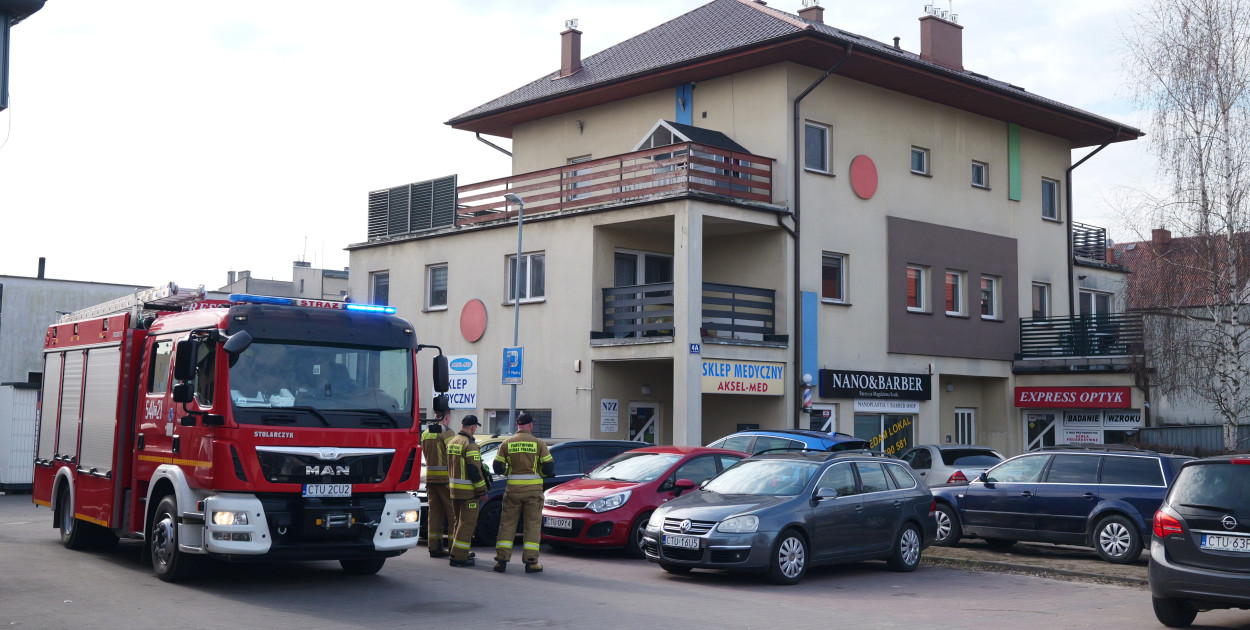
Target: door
(155,431)
(1040,430)
(644,418)
(838,523)
(1066,496)
(965,426)
(883,506)
(1003,505)
(634,268)
(921,460)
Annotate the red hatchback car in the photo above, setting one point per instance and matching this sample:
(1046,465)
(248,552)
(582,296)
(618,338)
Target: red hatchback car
(609,507)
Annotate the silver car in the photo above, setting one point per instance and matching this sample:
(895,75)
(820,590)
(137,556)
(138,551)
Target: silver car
(937,464)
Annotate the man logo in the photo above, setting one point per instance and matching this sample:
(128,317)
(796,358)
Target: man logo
(327,470)
(1229,522)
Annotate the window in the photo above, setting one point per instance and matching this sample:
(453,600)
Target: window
(697,469)
(916,281)
(919,161)
(838,477)
(436,287)
(872,477)
(1050,199)
(728,460)
(1027,469)
(816,147)
(1131,471)
(578,173)
(920,459)
(954,293)
(1041,301)
(833,278)
(381,288)
(902,478)
(533,278)
(980,175)
(158,369)
(592,456)
(205,373)
(566,462)
(1073,469)
(733,443)
(989,297)
(1094,303)
(768,443)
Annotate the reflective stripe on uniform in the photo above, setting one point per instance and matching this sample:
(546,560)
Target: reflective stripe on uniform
(531,546)
(504,544)
(464,482)
(524,482)
(511,477)
(460,545)
(435,468)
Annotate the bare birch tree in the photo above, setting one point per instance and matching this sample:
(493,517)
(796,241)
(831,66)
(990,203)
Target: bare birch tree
(1190,67)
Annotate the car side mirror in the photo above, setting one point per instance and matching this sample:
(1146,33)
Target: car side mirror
(984,478)
(705,482)
(825,493)
(682,485)
(182,393)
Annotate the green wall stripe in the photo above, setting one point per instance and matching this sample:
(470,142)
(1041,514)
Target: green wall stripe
(1013,161)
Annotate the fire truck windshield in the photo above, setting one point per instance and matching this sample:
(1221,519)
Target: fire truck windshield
(322,385)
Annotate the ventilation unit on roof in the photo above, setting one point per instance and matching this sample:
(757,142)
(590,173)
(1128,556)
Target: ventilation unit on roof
(410,208)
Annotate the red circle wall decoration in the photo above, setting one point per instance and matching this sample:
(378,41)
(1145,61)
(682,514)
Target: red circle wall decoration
(473,320)
(863,177)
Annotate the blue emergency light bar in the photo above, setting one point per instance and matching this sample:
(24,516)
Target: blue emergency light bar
(244,298)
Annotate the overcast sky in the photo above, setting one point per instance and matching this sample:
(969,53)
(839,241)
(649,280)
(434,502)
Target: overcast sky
(158,141)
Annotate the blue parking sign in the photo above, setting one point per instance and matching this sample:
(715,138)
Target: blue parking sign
(513,360)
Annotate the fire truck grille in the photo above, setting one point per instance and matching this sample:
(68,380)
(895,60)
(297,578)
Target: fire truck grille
(302,468)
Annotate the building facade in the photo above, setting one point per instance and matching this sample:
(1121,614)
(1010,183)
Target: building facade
(306,282)
(748,218)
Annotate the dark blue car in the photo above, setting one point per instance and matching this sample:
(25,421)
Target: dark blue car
(1102,497)
(760,440)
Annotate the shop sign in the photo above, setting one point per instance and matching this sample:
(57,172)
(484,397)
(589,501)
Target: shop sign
(1126,418)
(887,406)
(890,385)
(753,378)
(1082,419)
(1073,436)
(609,415)
(1073,397)
(463,381)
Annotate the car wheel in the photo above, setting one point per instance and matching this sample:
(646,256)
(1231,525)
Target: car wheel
(1117,540)
(789,559)
(948,529)
(362,566)
(637,531)
(1174,613)
(1000,544)
(906,556)
(487,530)
(169,564)
(675,569)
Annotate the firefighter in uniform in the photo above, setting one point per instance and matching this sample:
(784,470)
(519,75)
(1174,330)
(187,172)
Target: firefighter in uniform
(468,485)
(434,447)
(525,460)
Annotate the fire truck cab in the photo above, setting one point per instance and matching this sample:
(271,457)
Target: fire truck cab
(267,429)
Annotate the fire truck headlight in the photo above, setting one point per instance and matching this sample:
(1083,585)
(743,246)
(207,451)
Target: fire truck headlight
(229,518)
(408,516)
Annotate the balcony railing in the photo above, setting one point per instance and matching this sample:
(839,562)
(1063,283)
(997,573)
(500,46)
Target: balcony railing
(1089,242)
(729,312)
(1114,334)
(673,169)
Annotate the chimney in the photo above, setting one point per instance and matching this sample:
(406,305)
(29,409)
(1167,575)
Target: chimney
(42,261)
(813,13)
(570,49)
(1161,239)
(942,42)
(229,278)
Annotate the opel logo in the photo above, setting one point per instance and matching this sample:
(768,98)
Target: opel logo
(329,454)
(685,526)
(1229,522)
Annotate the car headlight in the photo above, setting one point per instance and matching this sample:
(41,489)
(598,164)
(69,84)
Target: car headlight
(407,516)
(229,518)
(610,502)
(739,524)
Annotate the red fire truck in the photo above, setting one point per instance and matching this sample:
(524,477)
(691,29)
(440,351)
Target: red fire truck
(265,429)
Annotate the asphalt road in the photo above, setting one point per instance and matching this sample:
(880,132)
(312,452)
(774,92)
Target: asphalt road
(43,585)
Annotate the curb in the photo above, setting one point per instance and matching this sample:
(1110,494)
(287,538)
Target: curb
(1008,567)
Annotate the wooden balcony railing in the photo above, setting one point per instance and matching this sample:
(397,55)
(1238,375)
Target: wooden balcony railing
(624,178)
(1112,334)
(729,312)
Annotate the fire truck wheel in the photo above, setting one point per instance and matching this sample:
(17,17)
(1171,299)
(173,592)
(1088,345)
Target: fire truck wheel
(75,534)
(170,564)
(362,566)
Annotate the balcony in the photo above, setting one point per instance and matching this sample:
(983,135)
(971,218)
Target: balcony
(1091,336)
(731,314)
(1089,242)
(668,171)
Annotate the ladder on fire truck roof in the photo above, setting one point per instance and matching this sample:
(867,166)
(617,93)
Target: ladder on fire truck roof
(167,297)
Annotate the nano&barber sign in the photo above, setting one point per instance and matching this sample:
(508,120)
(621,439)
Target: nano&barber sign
(727,376)
(891,385)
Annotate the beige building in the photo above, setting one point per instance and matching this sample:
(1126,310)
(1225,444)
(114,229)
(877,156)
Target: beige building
(741,201)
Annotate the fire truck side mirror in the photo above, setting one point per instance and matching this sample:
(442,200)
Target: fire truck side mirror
(237,343)
(442,379)
(182,393)
(441,405)
(184,361)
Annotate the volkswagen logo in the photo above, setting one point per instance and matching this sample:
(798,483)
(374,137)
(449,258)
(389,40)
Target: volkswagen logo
(685,526)
(328,454)
(1229,522)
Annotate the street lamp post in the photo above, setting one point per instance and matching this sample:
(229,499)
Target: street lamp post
(516,296)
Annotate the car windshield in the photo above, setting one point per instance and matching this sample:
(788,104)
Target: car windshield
(767,477)
(322,385)
(638,467)
(970,457)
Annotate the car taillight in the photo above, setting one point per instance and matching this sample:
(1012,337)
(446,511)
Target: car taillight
(1241,460)
(1166,524)
(958,477)
(932,507)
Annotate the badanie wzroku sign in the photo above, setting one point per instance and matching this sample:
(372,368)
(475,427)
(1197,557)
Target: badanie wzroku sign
(892,385)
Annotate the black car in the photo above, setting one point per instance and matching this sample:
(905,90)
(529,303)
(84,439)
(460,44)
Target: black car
(1200,550)
(1097,496)
(572,458)
(779,513)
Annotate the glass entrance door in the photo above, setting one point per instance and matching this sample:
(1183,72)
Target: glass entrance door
(1040,430)
(644,421)
(889,433)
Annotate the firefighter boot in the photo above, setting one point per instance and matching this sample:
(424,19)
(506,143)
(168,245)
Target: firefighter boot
(501,566)
(533,567)
(467,562)
(437,550)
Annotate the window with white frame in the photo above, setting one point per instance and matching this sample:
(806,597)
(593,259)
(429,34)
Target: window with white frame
(1050,199)
(980,174)
(919,161)
(436,287)
(533,277)
(1041,301)
(989,297)
(833,277)
(380,288)
(1094,303)
(578,173)
(917,284)
(816,147)
(954,292)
